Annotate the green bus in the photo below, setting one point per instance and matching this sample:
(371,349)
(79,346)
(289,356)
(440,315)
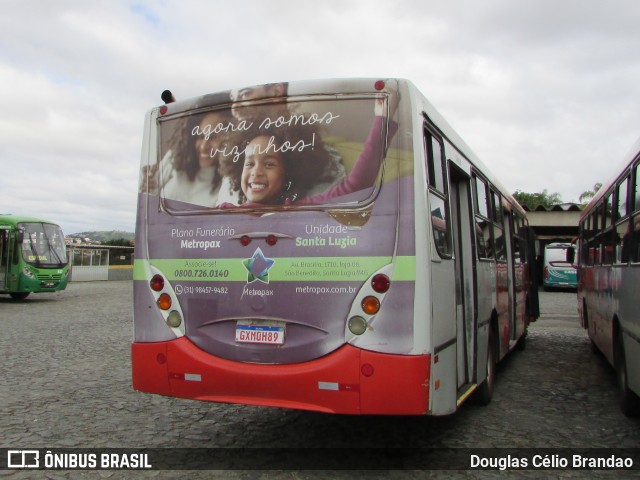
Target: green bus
(33,256)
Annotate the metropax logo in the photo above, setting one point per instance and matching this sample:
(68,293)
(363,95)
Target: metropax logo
(258,267)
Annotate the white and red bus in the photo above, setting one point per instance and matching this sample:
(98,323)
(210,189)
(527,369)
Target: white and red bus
(324,245)
(609,276)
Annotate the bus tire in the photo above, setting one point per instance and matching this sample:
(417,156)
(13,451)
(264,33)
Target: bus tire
(629,401)
(585,320)
(484,392)
(522,341)
(585,316)
(19,295)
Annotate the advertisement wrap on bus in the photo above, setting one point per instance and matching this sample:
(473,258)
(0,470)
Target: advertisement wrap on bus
(295,247)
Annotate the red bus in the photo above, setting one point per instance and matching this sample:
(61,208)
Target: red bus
(609,276)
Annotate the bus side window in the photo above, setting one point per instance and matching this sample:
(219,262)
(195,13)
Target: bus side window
(621,198)
(620,232)
(483,225)
(518,254)
(440,224)
(623,240)
(437,194)
(635,195)
(608,214)
(609,242)
(582,245)
(481,198)
(435,161)
(498,228)
(607,236)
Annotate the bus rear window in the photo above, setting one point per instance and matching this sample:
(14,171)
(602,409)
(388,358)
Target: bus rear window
(281,154)
(556,256)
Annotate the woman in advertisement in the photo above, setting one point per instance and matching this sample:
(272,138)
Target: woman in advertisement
(189,171)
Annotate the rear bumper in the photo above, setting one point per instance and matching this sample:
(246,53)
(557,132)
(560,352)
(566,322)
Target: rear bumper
(390,384)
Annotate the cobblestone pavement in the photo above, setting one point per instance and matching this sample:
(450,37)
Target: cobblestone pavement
(66,383)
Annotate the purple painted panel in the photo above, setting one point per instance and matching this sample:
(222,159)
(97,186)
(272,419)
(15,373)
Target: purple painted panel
(328,153)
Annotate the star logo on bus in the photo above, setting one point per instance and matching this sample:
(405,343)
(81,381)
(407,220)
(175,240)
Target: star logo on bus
(258,267)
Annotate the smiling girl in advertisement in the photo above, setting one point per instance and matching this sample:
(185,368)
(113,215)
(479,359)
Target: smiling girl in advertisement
(279,167)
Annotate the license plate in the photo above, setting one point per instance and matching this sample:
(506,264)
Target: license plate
(248,331)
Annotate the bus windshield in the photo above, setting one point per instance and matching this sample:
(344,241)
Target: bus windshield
(302,152)
(43,244)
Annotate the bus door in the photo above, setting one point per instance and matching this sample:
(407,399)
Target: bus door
(4,257)
(508,241)
(462,231)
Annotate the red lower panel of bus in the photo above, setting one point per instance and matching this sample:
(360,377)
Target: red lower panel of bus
(349,380)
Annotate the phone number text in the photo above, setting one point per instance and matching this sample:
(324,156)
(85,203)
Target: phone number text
(207,290)
(201,273)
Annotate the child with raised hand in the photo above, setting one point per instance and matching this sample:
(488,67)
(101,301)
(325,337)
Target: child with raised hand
(274,175)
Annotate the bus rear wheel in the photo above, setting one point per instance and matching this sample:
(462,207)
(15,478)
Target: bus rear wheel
(19,295)
(522,341)
(484,393)
(629,401)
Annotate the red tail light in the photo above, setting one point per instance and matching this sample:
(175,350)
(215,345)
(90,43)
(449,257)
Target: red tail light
(380,283)
(156,283)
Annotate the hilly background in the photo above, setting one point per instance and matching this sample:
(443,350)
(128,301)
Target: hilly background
(104,236)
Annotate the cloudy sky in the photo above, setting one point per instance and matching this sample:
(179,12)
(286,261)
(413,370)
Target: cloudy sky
(546,92)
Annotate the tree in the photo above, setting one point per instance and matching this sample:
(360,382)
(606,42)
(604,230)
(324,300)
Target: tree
(534,200)
(589,194)
(118,242)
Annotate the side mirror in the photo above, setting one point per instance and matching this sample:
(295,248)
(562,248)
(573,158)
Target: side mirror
(571,255)
(20,236)
(167,97)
